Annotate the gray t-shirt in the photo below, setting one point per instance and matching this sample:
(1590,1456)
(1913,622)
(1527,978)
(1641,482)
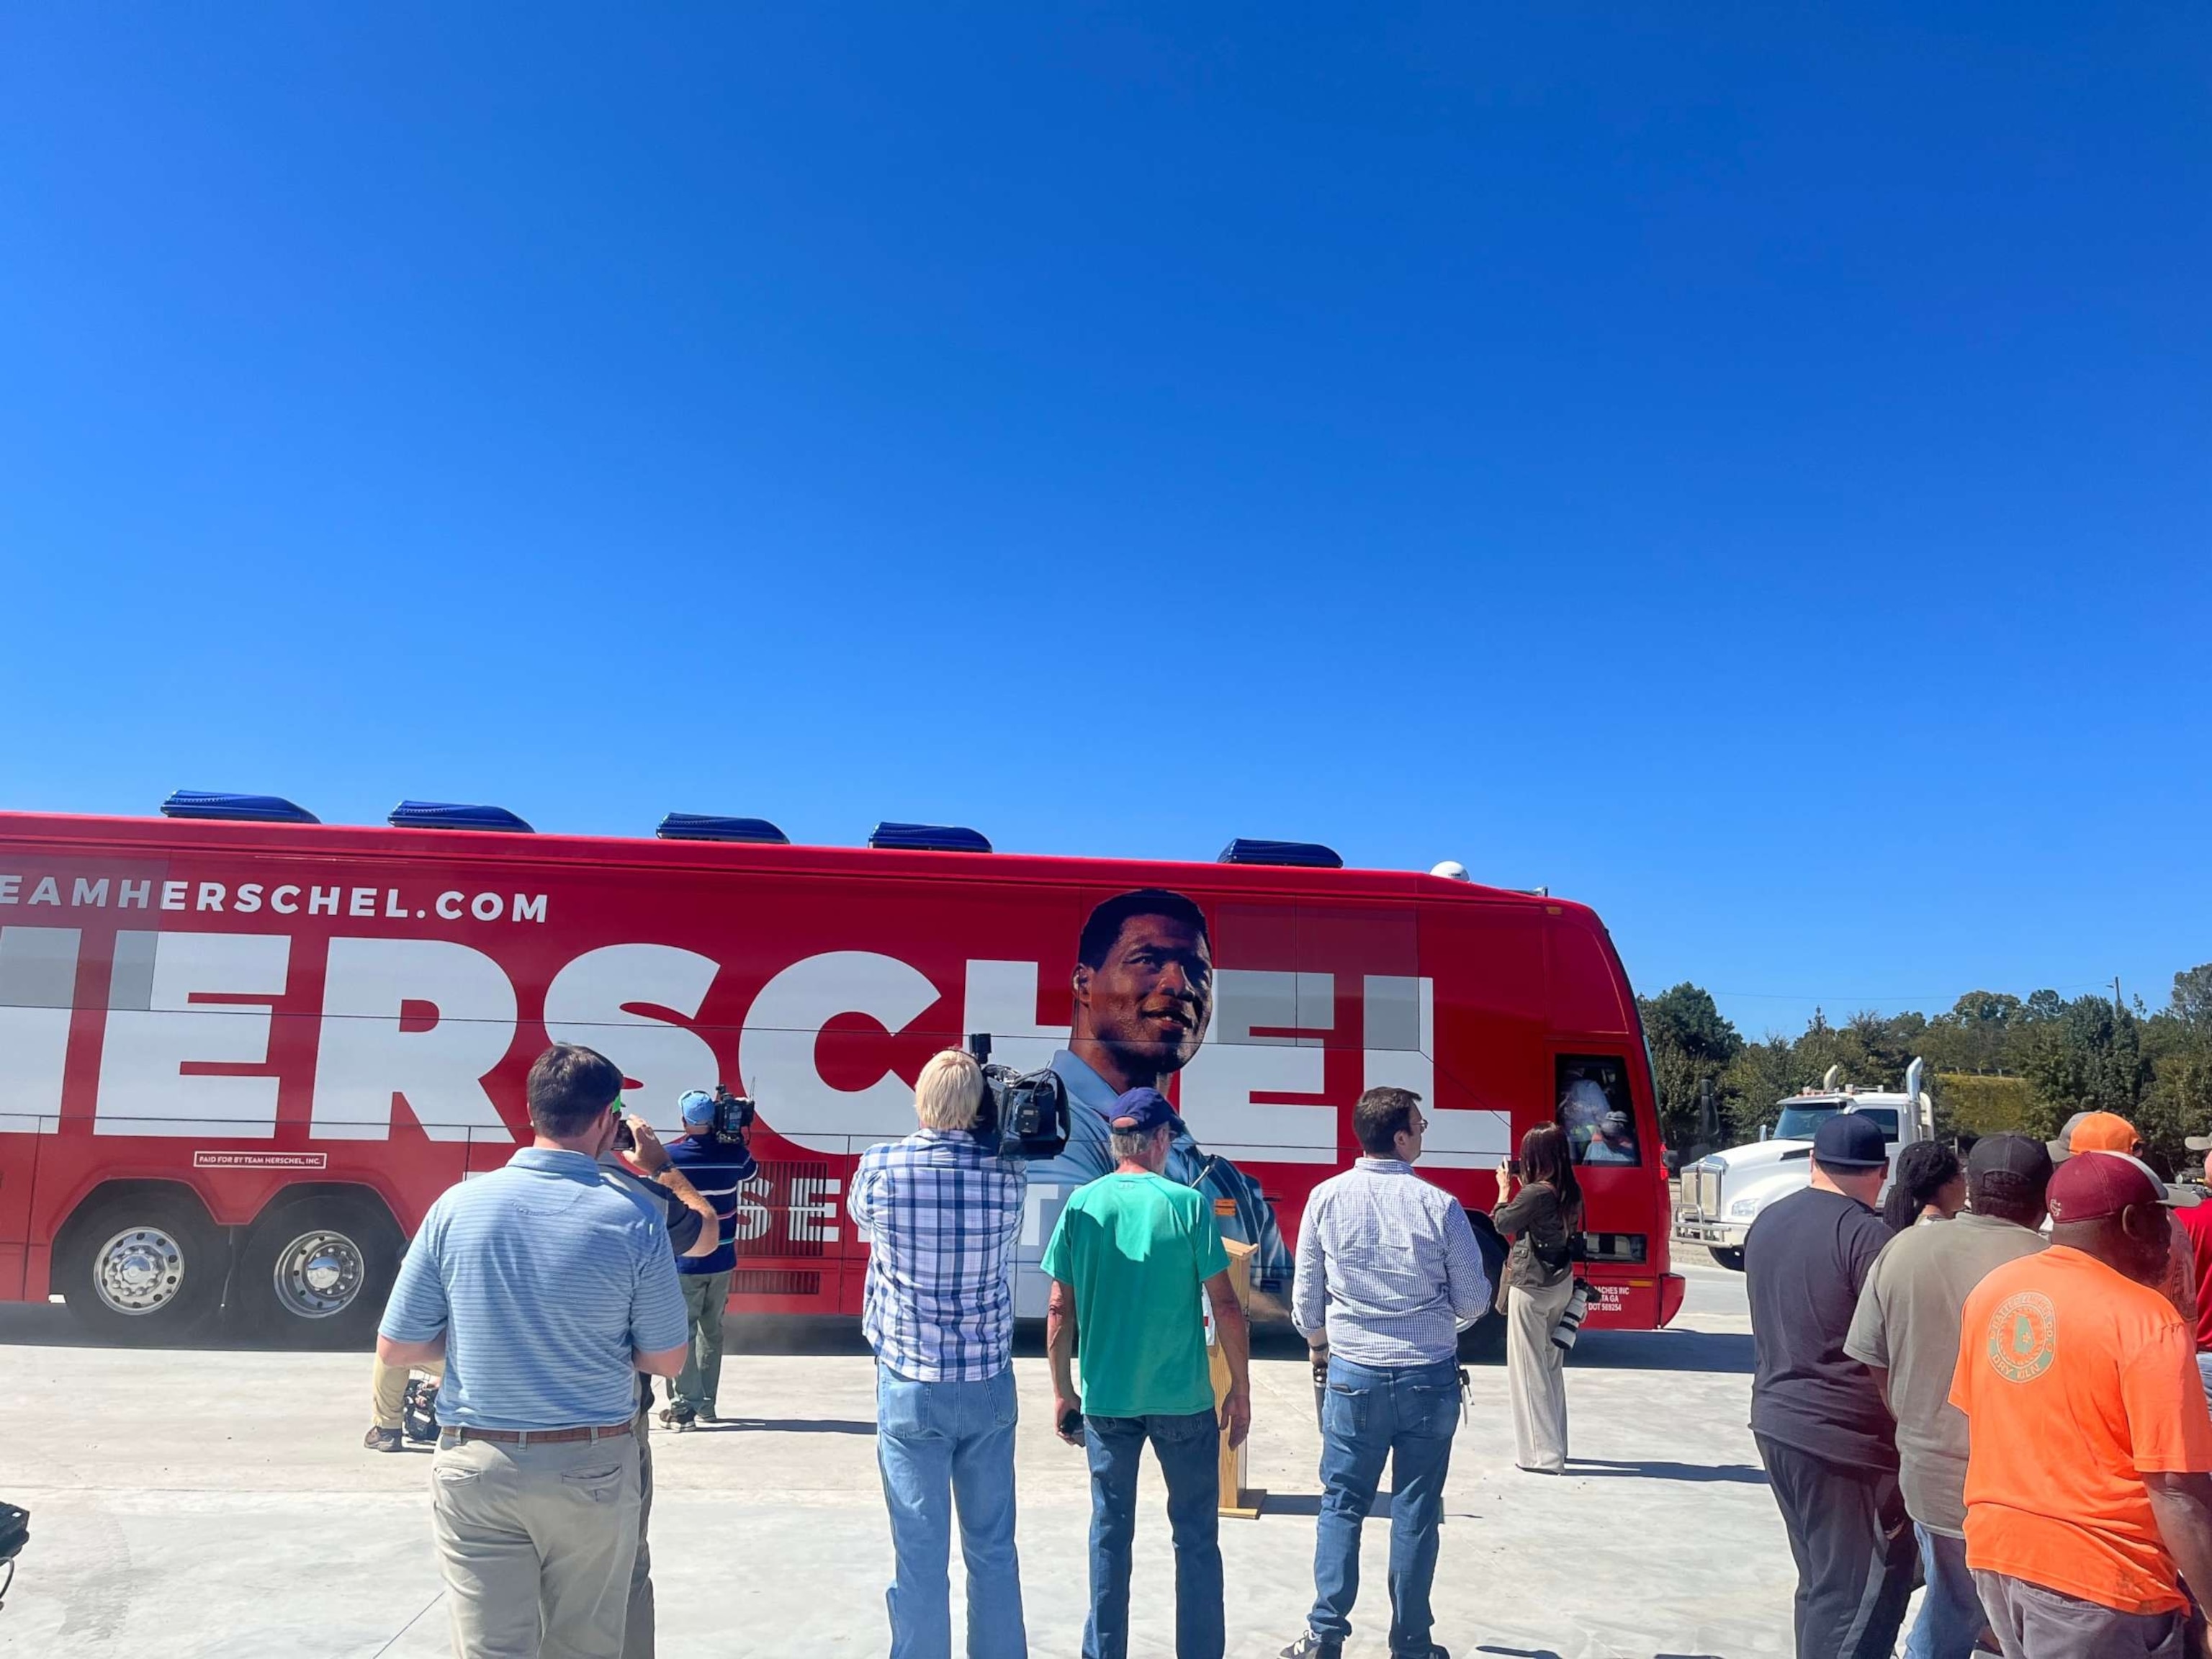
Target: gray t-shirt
(1907,1324)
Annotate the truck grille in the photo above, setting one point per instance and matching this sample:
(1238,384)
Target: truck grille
(1707,1200)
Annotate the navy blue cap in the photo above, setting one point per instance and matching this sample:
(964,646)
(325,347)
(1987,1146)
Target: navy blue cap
(1850,1142)
(1138,1110)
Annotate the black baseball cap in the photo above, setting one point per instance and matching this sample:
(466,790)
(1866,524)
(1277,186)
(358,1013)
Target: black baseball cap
(1847,1141)
(2013,1168)
(1139,1110)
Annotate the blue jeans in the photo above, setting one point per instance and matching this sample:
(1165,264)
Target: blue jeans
(1408,1414)
(941,1445)
(1189,1451)
(1951,1614)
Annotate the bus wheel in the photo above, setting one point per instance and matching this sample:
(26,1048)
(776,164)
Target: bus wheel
(143,1268)
(1732,1259)
(1483,1343)
(316,1270)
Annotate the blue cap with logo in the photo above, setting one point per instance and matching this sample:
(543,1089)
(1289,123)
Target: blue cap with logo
(1850,1142)
(697,1107)
(1139,1110)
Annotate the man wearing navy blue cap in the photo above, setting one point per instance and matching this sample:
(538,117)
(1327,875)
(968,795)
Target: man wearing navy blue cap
(718,1166)
(1823,1432)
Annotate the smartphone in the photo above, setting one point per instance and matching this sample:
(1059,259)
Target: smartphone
(1513,1167)
(1071,1421)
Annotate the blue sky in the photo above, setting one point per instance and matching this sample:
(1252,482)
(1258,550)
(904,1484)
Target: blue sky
(1743,467)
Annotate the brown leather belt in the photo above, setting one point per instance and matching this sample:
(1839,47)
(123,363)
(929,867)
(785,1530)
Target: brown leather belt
(453,1437)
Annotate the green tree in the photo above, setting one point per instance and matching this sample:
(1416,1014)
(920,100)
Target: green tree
(2192,999)
(1763,1074)
(1886,1045)
(1691,1045)
(2089,1058)
(1975,1036)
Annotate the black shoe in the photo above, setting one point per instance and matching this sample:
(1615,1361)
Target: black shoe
(386,1440)
(1432,1651)
(1310,1646)
(677,1417)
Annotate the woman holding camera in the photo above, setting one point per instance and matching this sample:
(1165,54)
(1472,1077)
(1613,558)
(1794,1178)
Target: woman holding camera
(1541,1219)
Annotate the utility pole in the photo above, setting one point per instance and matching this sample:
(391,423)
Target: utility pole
(2117,1008)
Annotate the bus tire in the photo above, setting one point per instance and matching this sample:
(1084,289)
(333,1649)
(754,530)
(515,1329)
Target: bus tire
(1483,1343)
(1732,1259)
(143,1268)
(316,1270)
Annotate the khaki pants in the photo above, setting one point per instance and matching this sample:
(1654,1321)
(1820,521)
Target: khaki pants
(637,1627)
(1536,1375)
(387,1388)
(706,1297)
(539,1545)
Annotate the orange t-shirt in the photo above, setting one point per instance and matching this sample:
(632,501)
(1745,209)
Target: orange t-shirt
(2075,1381)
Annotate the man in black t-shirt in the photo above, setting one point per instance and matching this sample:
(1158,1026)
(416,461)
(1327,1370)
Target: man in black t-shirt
(1823,1432)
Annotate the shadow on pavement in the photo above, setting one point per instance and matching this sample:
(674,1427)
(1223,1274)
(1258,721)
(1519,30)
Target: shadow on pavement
(1721,1352)
(49,1325)
(779,1425)
(1742,1474)
(1308,1503)
(1728,1353)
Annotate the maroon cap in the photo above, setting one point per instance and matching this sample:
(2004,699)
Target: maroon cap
(2096,1186)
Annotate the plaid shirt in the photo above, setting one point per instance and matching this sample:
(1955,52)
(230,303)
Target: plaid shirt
(940,1214)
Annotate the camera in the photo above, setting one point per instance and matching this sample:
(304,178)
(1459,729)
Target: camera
(733,1113)
(1024,1114)
(1571,1318)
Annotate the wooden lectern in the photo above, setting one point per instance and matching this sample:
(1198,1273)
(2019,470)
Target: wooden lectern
(1236,1498)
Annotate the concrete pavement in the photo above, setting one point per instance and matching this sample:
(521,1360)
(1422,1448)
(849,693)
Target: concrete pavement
(216,1502)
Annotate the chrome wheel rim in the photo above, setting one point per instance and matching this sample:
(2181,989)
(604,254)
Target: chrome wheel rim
(139,1270)
(319,1274)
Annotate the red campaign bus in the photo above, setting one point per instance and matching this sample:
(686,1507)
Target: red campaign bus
(241,1051)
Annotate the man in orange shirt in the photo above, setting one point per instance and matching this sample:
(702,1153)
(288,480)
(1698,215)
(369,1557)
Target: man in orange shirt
(2089,1469)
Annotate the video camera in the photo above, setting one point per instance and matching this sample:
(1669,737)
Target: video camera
(1024,1114)
(733,1113)
(733,1116)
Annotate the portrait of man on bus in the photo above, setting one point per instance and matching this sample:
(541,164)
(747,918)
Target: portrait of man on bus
(1143,981)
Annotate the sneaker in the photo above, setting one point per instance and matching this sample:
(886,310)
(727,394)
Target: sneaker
(1310,1646)
(389,1440)
(677,1417)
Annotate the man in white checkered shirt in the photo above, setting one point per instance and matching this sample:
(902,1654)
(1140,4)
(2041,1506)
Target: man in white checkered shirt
(940,1213)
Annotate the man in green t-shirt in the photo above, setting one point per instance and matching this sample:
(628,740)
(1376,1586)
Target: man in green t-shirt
(1126,1262)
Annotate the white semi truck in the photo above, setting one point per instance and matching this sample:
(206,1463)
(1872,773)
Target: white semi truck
(1722,1195)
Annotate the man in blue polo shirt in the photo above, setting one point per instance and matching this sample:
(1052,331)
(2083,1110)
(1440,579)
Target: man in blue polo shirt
(546,1288)
(718,1166)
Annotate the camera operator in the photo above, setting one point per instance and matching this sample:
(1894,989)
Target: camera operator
(637,1162)
(713,1152)
(940,1211)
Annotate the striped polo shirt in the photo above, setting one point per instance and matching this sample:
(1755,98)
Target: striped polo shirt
(544,1277)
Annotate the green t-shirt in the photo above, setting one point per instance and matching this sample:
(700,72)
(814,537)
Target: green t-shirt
(1135,1248)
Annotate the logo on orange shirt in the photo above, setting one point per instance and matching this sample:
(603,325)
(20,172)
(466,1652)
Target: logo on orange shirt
(2023,1336)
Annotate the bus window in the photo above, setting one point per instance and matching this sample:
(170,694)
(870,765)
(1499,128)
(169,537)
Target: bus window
(1596,1108)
